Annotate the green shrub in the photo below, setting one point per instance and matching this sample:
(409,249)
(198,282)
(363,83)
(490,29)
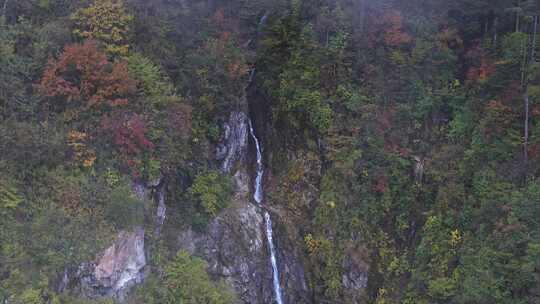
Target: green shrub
(124,210)
(187,281)
(212,191)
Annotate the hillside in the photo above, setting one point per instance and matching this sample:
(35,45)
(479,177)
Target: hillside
(269,151)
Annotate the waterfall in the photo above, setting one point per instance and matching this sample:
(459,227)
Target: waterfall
(258,196)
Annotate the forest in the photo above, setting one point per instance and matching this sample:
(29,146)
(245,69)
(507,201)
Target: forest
(269,151)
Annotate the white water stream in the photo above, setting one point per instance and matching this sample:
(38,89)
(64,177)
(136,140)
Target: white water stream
(258,196)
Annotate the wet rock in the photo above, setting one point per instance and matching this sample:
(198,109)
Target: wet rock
(241,184)
(419,168)
(233,142)
(161,210)
(120,267)
(64,282)
(234,249)
(355,278)
(142,191)
(293,278)
(233,243)
(139,189)
(289,246)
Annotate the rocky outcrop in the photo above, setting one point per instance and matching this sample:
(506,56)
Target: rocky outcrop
(289,245)
(419,166)
(294,282)
(233,244)
(355,278)
(139,189)
(142,191)
(161,211)
(119,268)
(233,143)
(234,249)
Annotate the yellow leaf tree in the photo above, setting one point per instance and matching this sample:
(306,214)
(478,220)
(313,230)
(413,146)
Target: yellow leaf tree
(107,22)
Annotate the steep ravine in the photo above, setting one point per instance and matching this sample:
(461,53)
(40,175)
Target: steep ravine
(289,247)
(252,244)
(291,226)
(235,244)
(258,196)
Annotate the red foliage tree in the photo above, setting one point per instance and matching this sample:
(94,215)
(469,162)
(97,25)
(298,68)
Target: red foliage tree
(480,73)
(536,112)
(394,34)
(128,132)
(386,28)
(83,78)
(481,65)
(219,18)
(381,184)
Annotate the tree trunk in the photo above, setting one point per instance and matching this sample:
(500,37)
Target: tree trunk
(327,37)
(525,52)
(362,16)
(517,22)
(526,131)
(4,11)
(533,59)
(495,23)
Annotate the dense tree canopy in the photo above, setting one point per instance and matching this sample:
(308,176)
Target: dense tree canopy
(400,137)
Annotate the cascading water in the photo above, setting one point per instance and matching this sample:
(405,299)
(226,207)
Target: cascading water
(258,196)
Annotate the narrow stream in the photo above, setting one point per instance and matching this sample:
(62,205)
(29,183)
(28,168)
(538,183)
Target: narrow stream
(258,196)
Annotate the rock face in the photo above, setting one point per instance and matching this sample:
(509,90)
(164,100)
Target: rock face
(234,248)
(161,211)
(354,282)
(139,189)
(233,244)
(233,143)
(120,267)
(293,281)
(355,279)
(419,168)
(142,192)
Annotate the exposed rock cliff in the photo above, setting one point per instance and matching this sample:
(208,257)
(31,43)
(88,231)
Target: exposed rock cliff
(234,248)
(355,278)
(233,144)
(233,244)
(119,268)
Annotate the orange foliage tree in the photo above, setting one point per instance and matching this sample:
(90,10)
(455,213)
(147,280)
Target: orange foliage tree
(394,34)
(82,78)
(387,29)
